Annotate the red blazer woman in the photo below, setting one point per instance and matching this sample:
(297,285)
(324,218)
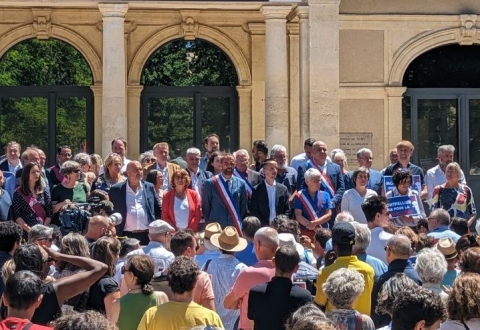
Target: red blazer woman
(194,204)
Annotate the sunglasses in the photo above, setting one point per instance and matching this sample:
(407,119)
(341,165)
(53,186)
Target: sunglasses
(124,269)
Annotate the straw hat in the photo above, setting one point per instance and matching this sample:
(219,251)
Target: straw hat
(229,240)
(447,246)
(212,229)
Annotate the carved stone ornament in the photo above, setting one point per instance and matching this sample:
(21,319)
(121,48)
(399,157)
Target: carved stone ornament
(190,28)
(42,25)
(467,32)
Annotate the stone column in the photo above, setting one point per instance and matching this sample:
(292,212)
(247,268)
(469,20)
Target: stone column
(323,26)
(393,117)
(257,123)
(97,117)
(245,116)
(302,13)
(276,75)
(133,117)
(114,101)
(294,113)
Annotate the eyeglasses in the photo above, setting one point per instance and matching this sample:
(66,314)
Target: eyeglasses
(386,247)
(150,160)
(45,239)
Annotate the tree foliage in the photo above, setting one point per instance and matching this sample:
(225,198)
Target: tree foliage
(43,63)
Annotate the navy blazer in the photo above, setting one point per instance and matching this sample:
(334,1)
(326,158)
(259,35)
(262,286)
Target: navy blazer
(213,207)
(375,181)
(333,172)
(259,204)
(118,196)
(4,166)
(202,177)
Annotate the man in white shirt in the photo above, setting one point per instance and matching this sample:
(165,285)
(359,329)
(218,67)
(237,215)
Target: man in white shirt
(436,175)
(161,151)
(119,146)
(378,217)
(138,203)
(160,233)
(197,176)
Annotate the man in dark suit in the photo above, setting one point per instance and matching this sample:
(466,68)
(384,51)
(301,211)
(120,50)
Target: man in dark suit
(224,197)
(12,158)
(375,181)
(250,177)
(54,176)
(332,177)
(137,202)
(197,176)
(269,198)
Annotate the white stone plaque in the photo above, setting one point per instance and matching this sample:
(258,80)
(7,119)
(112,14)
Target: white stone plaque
(350,143)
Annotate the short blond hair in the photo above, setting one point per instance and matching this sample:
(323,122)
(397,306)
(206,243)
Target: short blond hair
(405,144)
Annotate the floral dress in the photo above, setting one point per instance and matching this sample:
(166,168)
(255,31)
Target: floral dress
(457,201)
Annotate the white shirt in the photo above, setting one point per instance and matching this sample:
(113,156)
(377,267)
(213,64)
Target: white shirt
(435,176)
(125,163)
(352,202)
(160,255)
(298,161)
(224,271)
(180,210)
(166,184)
(13,169)
(271,200)
(377,244)
(136,215)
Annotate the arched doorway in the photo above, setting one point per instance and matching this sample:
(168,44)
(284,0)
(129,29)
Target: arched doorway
(442,106)
(45,98)
(189,92)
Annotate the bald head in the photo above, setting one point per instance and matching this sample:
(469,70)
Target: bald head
(98,221)
(97,227)
(400,246)
(134,172)
(320,152)
(266,243)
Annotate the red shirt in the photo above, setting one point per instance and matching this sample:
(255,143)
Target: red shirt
(15,323)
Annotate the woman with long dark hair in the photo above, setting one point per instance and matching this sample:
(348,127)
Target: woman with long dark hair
(31,201)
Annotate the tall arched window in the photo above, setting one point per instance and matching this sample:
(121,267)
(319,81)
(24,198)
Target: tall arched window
(189,92)
(45,97)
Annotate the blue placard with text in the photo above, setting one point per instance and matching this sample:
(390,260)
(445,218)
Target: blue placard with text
(403,205)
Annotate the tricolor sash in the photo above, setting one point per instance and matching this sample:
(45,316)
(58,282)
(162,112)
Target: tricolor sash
(312,214)
(325,178)
(36,207)
(227,198)
(248,186)
(57,173)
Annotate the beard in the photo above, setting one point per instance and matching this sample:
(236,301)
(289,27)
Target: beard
(282,166)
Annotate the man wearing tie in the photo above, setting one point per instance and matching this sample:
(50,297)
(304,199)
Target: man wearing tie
(269,198)
(224,197)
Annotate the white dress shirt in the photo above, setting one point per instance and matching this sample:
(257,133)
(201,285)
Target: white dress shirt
(136,205)
(271,200)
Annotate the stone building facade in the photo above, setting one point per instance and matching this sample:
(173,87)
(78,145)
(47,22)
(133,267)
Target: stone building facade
(327,69)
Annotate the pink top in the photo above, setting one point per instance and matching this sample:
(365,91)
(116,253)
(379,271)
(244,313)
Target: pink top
(203,290)
(260,273)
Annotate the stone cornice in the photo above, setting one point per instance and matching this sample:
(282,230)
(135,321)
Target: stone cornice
(113,9)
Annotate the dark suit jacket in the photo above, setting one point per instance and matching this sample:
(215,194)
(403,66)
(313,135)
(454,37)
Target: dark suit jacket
(375,181)
(213,207)
(118,196)
(334,173)
(4,166)
(259,204)
(52,178)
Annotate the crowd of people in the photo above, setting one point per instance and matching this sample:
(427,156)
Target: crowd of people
(216,241)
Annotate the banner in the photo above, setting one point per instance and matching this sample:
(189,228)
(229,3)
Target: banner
(403,205)
(416,183)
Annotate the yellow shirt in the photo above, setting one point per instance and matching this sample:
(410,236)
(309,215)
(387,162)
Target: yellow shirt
(363,303)
(177,316)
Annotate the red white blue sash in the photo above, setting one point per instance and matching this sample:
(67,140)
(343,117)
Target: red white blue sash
(302,196)
(324,177)
(228,201)
(248,186)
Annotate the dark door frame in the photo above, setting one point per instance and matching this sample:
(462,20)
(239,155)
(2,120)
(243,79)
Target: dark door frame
(195,92)
(463,95)
(51,93)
